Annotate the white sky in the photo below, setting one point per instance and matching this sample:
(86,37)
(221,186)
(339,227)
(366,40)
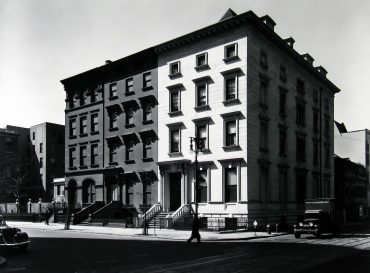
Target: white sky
(43,42)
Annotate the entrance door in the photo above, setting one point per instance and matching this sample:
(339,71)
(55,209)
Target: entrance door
(175,191)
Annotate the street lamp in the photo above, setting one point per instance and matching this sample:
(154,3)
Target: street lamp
(255,227)
(199,145)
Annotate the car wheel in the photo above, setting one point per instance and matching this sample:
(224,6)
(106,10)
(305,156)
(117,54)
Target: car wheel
(297,235)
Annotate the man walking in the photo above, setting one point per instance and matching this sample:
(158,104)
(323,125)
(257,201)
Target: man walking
(195,231)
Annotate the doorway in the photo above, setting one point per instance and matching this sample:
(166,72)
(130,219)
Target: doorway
(175,191)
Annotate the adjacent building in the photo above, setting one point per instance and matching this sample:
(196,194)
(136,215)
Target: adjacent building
(264,110)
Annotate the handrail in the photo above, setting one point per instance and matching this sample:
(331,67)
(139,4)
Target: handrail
(152,211)
(184,209)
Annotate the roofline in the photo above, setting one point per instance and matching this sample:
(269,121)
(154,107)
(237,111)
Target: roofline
(46,122)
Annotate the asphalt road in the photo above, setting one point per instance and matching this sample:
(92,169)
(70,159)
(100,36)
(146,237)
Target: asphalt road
(64,251)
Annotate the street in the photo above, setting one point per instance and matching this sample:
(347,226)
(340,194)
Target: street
(66,251)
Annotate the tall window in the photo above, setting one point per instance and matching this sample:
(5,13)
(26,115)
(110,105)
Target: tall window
(175,140)
(72,157)
(264,136)
(201,132)
(201,60)
(282,73)
(282,142)
(41,147)
(72,101)
(93,95)
(300,113)
(83,125)
(175,101)
(33,135)
(129,150)
(282,104)
(147,112)
(129,85)
(316,152)
(83,98)
(113,120)
(230,133)
(230,88)
(263,59)
(300,86)
(202,186)
(112,154)
(89,192)
(113,90)
(147,193)
(315,121)
(147,148)
(129,193)
(175,69)
(230,185)
(94,123)
(231,51)
(129,116)
(83,156)
(147,80)
(263,93)
(301,149)
(41,162)
(72,127)
(201,93)
(94,154)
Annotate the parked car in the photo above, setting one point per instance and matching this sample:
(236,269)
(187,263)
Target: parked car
(12,237)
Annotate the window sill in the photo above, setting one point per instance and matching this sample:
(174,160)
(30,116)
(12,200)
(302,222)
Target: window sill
(231,102)
(131,161)
(112,163)
(94,133)
(148,159)
(201,67)
(94,166)
(231,148)
(147,88)
(72,137)
(129,125)
(83,167)
(175,154)
(175,75)
(202,108)
(113,129)
(129,93)
(175,113)
(113,98)
(146,122)
(83,135)
(72,168)
(231,59)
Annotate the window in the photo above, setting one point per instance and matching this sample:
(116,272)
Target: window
(72,128)
(263,92)
(72,101)
(72,157)
(202,186)
(147,193)
(230,185)
(33,136)
(301,149)
(175,69)
(201,60)
(264,135)
(129,193)
(129,86)
(231,133)
(41,147)
(129,150)
(300,86)
(282,104)
(175,140)
(201,94)
(147,80)
(315,121)
(113,90)
(113,120)
(263,60)
(83,156)
(93,95)
(282,73)
(88,192)
(315,95)
(94,154)
(94,123)
(129,117)
(147,112)
(147,148)
(201,132)
(300,113)
(316,152)
(231,51)
(282,142)
(112,154)
(41,162)
(83,98)
(83,125)
(175,101)
(231,87)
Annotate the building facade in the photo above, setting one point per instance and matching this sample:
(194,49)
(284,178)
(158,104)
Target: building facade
(111,134)
(47,141)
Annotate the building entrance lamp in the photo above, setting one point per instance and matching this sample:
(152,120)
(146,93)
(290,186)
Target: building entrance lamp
(255,227)
(197,147)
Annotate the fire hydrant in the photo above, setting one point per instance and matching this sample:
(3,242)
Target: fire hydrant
(268,229)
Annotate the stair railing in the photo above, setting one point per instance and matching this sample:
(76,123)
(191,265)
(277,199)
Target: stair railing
(150,213)
(185,209)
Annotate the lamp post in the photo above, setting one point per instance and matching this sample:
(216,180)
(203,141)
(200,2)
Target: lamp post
(199,145)
(255,227)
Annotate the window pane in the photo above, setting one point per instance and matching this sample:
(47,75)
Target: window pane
(230,89)
(202,95)
(175,101)
(175,141)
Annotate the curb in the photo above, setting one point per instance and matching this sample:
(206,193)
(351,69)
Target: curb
(2,261)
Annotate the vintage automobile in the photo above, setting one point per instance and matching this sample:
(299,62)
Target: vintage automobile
(316,222)
(12,237)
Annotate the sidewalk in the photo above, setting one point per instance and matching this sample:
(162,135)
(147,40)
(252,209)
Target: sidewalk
(162,234)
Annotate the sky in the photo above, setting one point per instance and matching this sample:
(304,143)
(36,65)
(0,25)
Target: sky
(45,41)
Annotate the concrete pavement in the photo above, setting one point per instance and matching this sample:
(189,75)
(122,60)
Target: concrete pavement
(157,234)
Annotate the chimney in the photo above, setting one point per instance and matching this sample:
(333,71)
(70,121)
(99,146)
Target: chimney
(308,58)
(321,70)
(268,21)
(108,61)
(290,41)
